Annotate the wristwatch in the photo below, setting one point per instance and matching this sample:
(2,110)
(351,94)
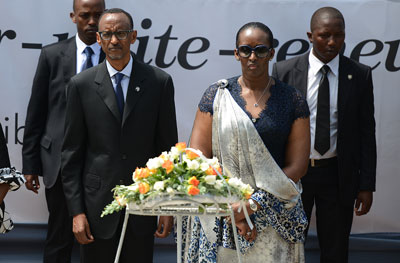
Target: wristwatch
(253,205)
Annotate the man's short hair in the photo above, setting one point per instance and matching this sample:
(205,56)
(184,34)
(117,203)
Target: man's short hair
(330,11)
(117,11)
(74,2)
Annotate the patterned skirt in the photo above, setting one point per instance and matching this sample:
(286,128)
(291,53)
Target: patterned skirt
(280,235)
(14,179)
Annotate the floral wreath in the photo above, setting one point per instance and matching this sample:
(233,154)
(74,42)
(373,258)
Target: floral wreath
(180,172)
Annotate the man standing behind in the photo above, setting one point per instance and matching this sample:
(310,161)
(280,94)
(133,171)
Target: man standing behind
(44,129)
(342,170)
(119,114)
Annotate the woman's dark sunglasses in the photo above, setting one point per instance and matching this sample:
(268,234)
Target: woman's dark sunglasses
(261,51)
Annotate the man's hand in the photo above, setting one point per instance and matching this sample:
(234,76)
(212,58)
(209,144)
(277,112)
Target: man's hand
(81,229)
(164,226)
(364,198)
(32,182)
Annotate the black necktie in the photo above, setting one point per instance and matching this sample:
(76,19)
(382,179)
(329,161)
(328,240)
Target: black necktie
(119,93)
(322,129)
(88,63)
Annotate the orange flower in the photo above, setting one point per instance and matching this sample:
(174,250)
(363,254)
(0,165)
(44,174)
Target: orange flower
(141,173)
(181,146)
(193,181)
(191,155)
(144,187)
(168,165)
(247,196)
(193,190)
(211,171)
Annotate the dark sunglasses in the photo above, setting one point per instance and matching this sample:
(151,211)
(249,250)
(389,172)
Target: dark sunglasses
(261,51)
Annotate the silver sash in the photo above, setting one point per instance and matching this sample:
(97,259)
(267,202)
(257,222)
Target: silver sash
(243,154)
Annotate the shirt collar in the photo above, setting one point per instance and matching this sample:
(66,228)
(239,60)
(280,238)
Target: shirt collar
(80,46)
(126,71)
(316,64)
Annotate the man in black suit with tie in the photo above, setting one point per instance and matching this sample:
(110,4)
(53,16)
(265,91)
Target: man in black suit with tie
(44,126)
(119,114)
(342,170)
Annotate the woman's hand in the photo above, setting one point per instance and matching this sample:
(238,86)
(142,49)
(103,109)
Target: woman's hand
(245,231)
(298,150)
(3,191)
(240,216)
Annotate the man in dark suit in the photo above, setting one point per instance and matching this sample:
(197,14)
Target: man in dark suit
(44,126)
(341,175)
(119,114)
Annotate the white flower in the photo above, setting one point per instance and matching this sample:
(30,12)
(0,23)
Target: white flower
(185,158)
(174,153)
(170,190)
(165,156)
(213,162)
(121,201)
(219,184)
(193,165)
(235,182)
(154,163)
(133,187)
(204,166)
(210,179)
(159,186)
(246,188)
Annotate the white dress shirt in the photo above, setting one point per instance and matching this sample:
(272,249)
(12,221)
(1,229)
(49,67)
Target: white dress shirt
(314,77)
(125,80)
(81,56)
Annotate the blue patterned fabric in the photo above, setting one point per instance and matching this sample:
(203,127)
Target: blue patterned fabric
(284,106)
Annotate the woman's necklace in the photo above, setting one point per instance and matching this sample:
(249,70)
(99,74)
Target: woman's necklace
(263,93)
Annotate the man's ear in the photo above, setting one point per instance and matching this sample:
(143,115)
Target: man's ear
(309,35)
(72,16)
(134,36)
(98,38)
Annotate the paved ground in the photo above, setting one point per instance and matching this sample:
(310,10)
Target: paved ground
(25,244)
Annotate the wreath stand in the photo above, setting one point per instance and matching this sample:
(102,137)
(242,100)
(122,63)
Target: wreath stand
(177,206)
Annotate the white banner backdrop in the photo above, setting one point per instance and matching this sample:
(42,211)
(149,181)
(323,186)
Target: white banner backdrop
(193,41)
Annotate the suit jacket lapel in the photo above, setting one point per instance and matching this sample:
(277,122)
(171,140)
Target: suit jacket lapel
(300,74)
(106,91)
(102,56)
(68,58)
(135,89)
(344,86)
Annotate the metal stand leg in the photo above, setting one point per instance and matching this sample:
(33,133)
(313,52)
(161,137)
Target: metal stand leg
(239,255)
(121,239)
(179,238)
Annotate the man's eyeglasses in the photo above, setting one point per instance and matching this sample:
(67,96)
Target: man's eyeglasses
(121,35)
(261,51)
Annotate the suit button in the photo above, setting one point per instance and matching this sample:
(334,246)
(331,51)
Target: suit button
(121,181)
(124,157)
